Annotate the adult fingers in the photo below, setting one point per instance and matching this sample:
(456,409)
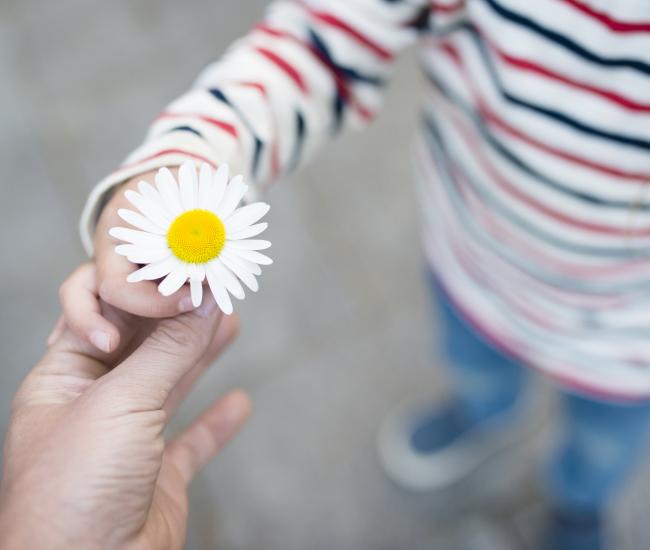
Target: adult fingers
(146,378)
(72,357)
(193,448)
(226,333)
(82,310)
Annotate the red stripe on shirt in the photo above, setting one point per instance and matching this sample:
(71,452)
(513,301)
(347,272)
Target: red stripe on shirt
(169,152)
(276,167)
(288,69)
(341,84)
(475,269)
(490,116)
(498,122)
(333,21)
(257,85)
(637,266)
(447,8)
(538,205)
(530,66)
(612,24)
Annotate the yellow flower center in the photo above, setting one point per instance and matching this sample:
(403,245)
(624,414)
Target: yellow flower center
(196,236)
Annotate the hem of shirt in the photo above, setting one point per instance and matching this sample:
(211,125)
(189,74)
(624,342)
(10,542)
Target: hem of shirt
(100,193)
(565,382)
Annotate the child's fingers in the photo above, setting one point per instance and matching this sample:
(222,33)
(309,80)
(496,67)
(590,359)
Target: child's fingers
(140,298)
(82,310)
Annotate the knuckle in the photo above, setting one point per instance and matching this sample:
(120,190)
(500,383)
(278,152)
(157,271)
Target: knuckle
(161,307)
(178,336)
(106,291)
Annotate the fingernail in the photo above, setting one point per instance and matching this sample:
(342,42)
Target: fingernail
(207,308)
(185,305)
(101,340)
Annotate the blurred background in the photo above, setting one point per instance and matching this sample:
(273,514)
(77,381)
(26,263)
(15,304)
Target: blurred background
(340,331)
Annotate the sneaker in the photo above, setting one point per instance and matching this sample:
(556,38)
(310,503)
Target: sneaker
(425,450)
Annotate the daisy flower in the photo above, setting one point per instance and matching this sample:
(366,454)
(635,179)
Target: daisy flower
(193,230)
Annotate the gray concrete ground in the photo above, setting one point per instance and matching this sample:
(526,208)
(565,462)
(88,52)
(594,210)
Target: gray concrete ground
(340,331)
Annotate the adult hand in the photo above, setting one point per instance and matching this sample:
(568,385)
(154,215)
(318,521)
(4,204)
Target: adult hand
(85,463)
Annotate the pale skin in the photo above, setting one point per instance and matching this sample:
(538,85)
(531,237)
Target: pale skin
(86,464)
(80,310)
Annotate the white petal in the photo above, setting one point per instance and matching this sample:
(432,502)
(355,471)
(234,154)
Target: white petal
(168,189)
(150,193)
(136,237)
(196,274)
(139,254)
(225,276)
(245,216)
(241,270)
(250,231)
(126,249)
(205,186)
(219,292)
(155,271)
(148,208)
(234,193)
(219,182)
(196,290)
(189,185)
(249,244)
(139,221)
(196,271)
(175,280)
(250,255)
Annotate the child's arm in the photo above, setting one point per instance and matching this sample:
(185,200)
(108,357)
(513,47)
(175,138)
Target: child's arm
(310,70)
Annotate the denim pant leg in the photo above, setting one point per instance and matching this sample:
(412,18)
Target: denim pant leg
(485,380)
(601,444)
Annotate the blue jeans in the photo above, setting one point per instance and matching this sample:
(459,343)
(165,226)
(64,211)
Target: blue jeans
(601,442)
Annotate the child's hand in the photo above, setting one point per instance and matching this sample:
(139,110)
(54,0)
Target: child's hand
(106,279)
(140,298)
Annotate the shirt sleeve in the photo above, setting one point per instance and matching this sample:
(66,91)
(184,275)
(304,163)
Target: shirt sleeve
(310,70)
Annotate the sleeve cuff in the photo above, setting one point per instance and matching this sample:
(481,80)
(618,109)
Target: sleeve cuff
(103,191)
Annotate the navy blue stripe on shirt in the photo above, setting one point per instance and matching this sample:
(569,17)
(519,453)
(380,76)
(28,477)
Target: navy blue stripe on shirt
(563,118)
(347,77)
(494,205)
(259,145)
(186,129)
(566,42)
(301,129)
(513,159)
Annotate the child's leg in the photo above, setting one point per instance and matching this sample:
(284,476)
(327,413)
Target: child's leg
(429,445)
(484,380)
(600,446)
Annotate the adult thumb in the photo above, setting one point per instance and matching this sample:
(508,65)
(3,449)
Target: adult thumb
(145,379)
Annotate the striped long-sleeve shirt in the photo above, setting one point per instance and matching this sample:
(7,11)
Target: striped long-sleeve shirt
(533,155)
